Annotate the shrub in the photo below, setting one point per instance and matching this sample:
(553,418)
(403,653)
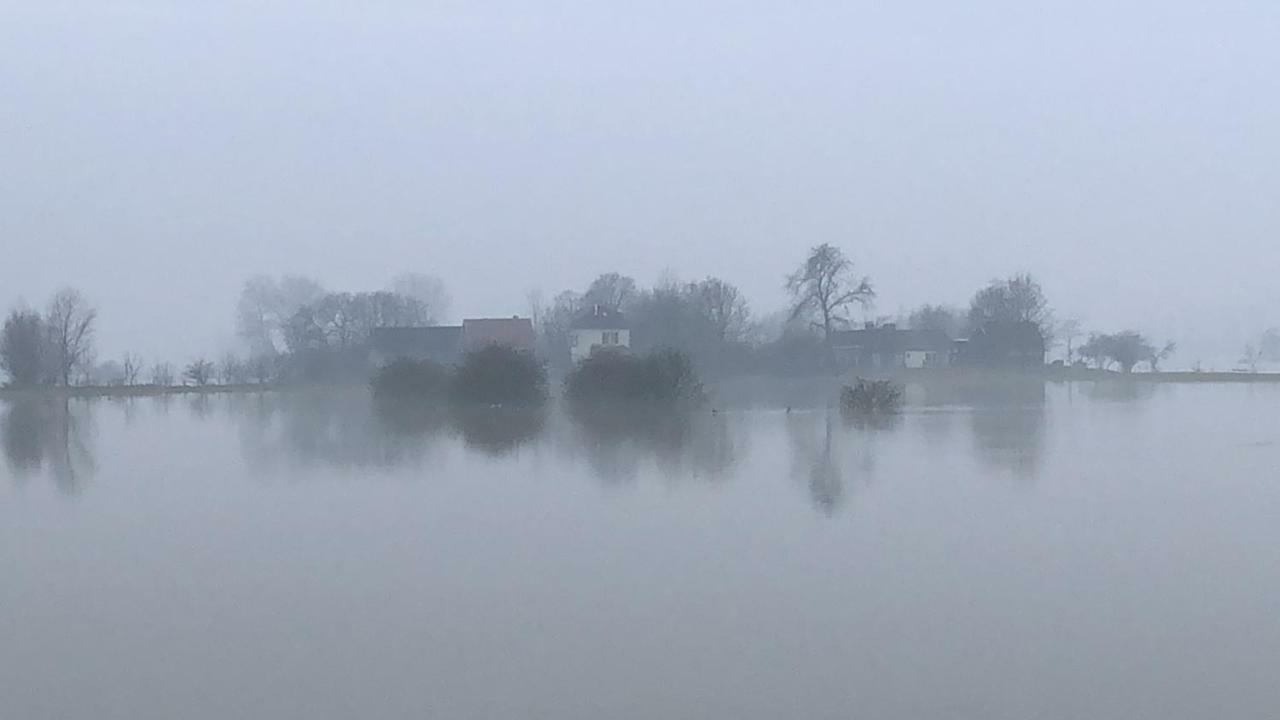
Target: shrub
(411,380)
(870,397)
(500,375)
(660,378)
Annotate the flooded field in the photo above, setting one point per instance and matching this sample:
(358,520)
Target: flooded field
(1035,551)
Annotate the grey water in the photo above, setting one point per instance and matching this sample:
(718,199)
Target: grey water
(1058,551)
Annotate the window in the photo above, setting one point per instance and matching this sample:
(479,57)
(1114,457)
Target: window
(573,340)
(609,337)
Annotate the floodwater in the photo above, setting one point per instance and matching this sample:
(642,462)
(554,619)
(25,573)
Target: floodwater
(1084,551)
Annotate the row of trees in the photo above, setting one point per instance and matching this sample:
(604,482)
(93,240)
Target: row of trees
(711,321)
(49,348)
(292,313)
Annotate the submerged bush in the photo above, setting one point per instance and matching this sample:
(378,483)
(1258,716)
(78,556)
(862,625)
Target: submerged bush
(500,375)
(870,397)
(411,380)
(410,396)
(660,378)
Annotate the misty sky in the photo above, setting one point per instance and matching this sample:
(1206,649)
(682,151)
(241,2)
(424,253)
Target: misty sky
(157,154)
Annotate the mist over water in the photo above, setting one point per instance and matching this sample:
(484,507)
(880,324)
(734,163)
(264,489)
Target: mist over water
(1102,550)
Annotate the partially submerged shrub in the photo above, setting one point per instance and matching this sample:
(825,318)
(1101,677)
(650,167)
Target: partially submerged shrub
(499,431)
(410,395)
(411,380)
(665,377)
(871,397)
(500,375)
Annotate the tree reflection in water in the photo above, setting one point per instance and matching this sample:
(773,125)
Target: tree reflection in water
(618,442)
(499,431)
(335,427)
(826,444)
(1008,422)
(48,433)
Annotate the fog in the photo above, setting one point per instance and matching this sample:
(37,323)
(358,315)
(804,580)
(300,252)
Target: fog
(155,155)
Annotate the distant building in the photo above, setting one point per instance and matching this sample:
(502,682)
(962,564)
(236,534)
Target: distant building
(441,344)
(515,332)
(887,347)
(598,328)
(1009,345)
(446,344)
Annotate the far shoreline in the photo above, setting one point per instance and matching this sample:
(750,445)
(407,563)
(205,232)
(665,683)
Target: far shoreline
(941,375)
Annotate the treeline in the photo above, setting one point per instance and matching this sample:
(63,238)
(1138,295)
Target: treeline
(53,347)
(295,330)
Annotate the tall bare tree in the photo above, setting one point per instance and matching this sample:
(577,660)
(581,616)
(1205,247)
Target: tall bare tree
(266,305)
(130,368)
(611,291)
(199,372)
(824,287)
(723,307)
(162,374)
(70,324)
(1017,299)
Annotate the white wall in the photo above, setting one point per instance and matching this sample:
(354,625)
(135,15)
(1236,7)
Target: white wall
(582,341)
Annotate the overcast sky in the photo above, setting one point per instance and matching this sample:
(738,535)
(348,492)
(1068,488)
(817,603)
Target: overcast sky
(156,154)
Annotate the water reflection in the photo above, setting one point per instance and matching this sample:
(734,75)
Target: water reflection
(499,431)
(1008,422)
(331,427)
(47,433)
(1126,392)
(617,444)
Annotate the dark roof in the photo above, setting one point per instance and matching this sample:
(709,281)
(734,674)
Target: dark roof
(516,332)
(416,342)
(891,340)
(599,318)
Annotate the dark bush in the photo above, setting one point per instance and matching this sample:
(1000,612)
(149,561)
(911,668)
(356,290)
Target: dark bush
(500,375)
(870,397)
(412,381)
(660,378)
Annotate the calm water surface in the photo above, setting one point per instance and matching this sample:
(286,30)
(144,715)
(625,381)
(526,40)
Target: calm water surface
(1045,552)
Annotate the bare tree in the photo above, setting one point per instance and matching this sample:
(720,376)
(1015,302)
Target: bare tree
(723,307)
(428,290)
(610,291)
(1017,299)
(198,373)
(824,287)
(1159,356)
(70,324)
(23,353)
(937,317)
(1252,356)
(266,304)
(130,368)
(233,370)
(162,374)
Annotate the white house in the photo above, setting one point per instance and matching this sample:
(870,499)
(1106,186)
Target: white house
(598,328)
